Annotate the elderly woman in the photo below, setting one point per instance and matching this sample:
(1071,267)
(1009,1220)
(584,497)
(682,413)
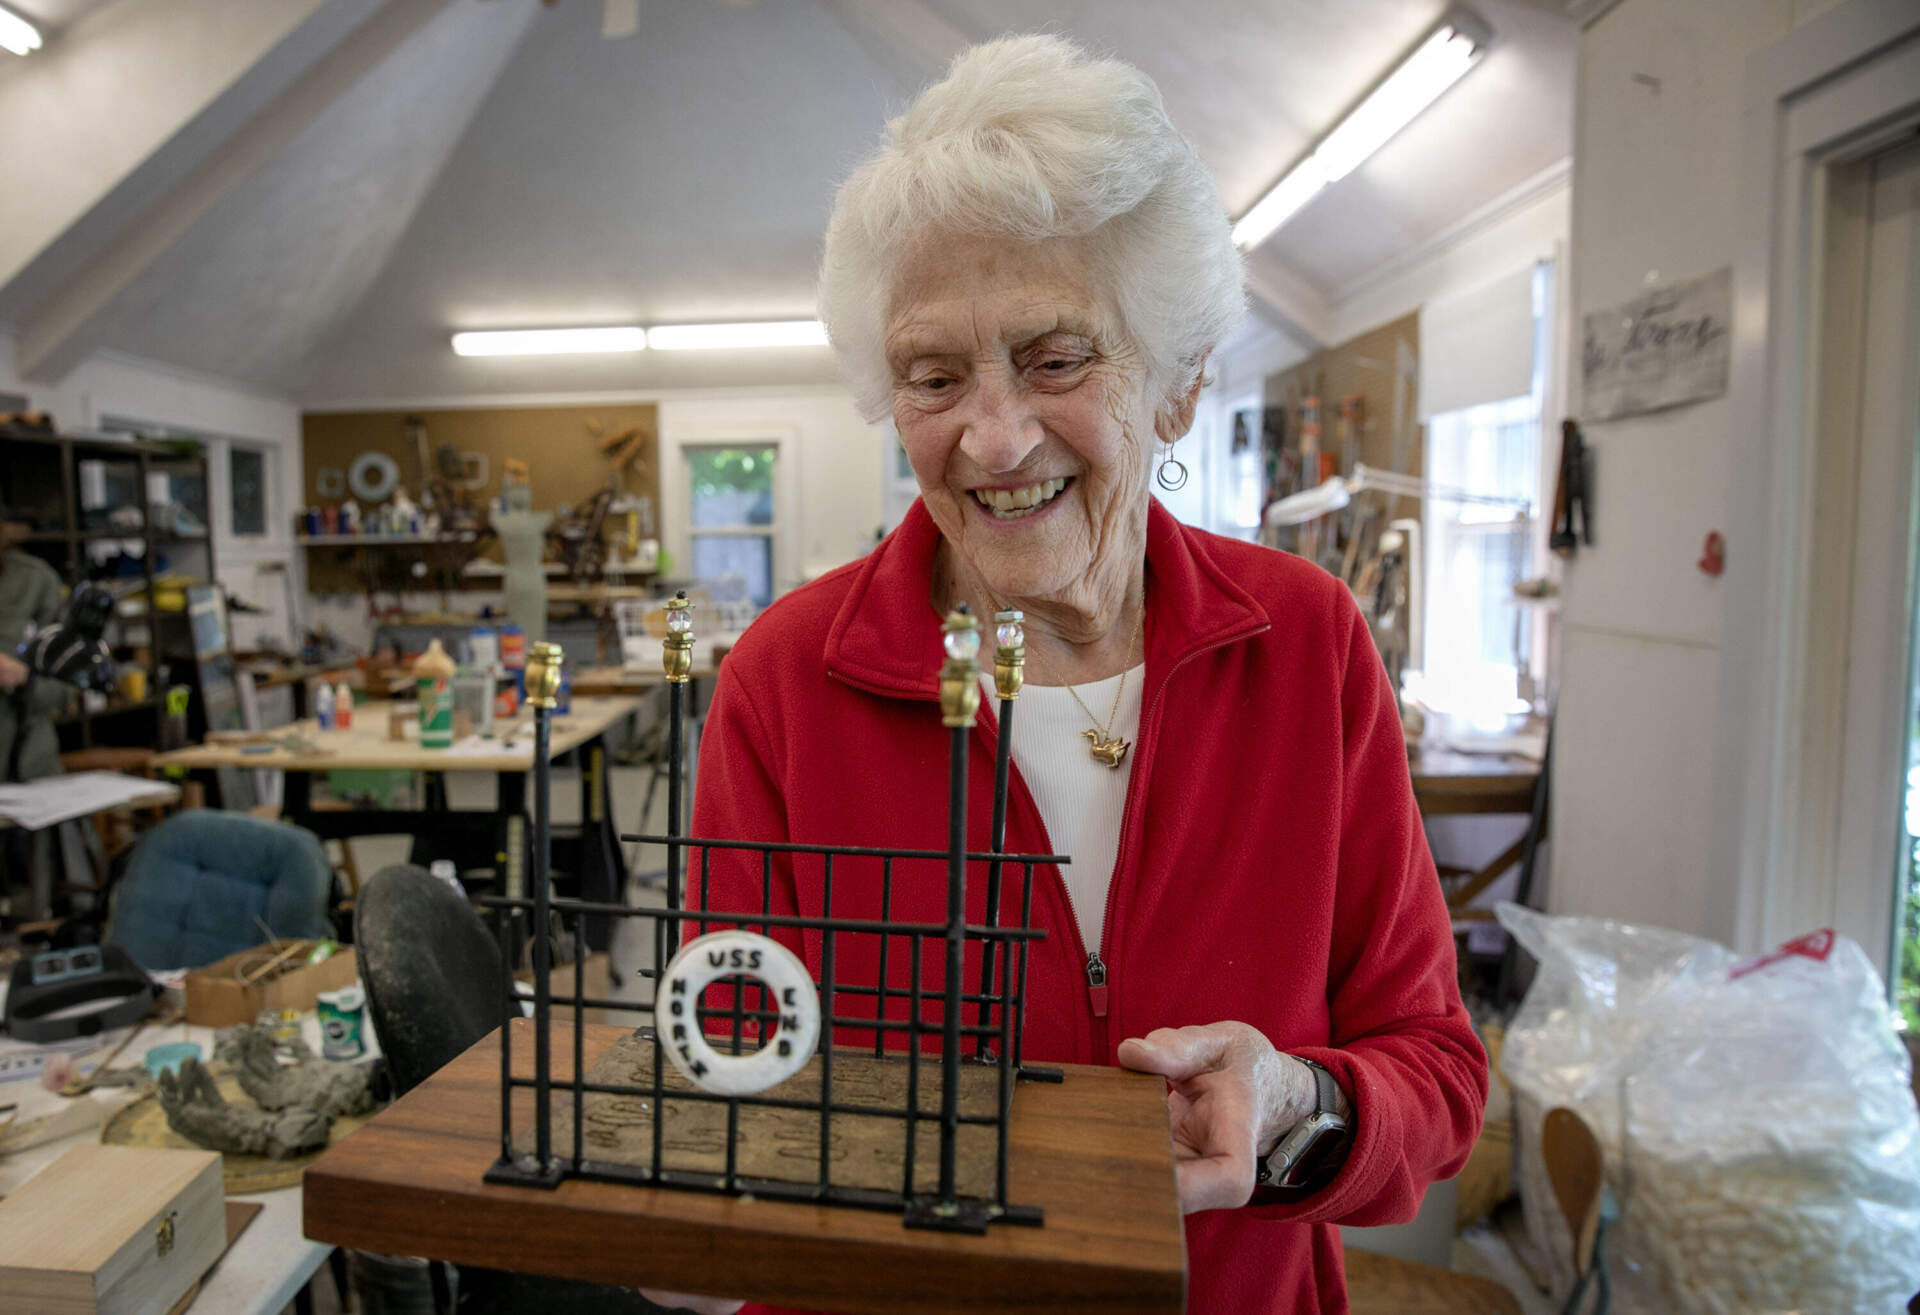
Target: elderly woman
(1029,277)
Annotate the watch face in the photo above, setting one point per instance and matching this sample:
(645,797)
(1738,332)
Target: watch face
(1306,1146)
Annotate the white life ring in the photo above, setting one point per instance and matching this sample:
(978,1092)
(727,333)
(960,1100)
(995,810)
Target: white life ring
(718,954)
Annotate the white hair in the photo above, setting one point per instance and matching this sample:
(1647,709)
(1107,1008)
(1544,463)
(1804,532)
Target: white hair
(1030,138)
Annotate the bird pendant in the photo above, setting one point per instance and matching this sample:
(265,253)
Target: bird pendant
(1110,753)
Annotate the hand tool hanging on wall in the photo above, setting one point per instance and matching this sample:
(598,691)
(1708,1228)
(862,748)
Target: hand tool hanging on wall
(1571,496)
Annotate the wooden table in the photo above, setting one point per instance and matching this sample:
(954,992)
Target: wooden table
(1093,1152)
(498,838)
(1448,783)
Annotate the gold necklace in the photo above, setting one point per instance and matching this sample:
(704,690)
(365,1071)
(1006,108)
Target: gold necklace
(1106,748)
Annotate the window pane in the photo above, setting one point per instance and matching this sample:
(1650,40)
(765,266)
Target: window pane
(731,486)
(247,477)
(746,556)
(1477,639)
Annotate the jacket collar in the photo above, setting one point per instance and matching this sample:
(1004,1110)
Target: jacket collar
(886,636)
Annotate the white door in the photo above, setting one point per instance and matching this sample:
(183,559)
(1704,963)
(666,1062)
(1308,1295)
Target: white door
(1876,901)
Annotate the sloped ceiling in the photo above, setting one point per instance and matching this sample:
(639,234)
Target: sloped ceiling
(255,286)
(507,166)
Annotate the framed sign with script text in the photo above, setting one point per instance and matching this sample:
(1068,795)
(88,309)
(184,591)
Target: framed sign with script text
(1666,348)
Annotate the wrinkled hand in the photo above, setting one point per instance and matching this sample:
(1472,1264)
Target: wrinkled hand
(13,672)
(1231,1097)
(687,1301)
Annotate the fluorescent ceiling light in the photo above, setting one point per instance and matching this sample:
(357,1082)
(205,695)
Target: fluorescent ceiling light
(17,34)
(777,333)
(633,338)
(1438,62)
(550,342)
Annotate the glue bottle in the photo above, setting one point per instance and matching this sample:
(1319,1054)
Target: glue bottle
(323,706)
(433,680)
(343,706)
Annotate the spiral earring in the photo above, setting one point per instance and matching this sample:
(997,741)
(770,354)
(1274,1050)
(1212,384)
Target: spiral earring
(1172,483)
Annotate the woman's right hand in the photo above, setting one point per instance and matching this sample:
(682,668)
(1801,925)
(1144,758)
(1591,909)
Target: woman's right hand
(688,1301)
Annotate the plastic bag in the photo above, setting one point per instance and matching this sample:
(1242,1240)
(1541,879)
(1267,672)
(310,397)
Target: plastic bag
(1756,1118)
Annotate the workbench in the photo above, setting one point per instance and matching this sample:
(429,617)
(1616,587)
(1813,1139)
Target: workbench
(1449,783)
(497,838)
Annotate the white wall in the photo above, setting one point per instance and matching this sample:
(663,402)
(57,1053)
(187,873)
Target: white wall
(1655,197)
(110,385)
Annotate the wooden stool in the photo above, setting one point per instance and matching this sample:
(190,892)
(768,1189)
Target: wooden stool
(1386,1285)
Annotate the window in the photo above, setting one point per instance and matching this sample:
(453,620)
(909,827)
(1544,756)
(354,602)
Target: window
(731,518)
(1479,643)
(247,489)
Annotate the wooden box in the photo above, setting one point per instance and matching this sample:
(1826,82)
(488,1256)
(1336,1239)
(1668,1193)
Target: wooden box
(217,997)
(122,1229)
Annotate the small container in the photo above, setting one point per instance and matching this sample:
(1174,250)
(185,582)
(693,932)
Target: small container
(169,1057)
(513,648)
(323,706)
(341,1014)
(483,649)
(473,700)
(399,717)
(433,678)
(443,868)
(283,1025)
(343,706)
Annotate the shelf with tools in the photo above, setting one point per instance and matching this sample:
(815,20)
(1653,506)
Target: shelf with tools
(59,495)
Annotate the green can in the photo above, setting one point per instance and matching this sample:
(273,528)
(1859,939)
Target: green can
(433,678)
(342,1013)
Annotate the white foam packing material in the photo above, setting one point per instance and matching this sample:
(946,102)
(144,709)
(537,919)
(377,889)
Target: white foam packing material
(1759,1131)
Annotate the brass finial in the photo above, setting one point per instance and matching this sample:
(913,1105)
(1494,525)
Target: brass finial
(1009,652)
(960,673)
(677,658)
(543,675)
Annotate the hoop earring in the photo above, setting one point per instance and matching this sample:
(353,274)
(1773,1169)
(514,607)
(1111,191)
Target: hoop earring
(1171,483)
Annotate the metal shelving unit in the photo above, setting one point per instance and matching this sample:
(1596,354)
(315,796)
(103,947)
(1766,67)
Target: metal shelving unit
(40,476)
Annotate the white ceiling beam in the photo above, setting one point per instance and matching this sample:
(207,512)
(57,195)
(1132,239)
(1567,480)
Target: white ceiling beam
(1289,302)
(909,39)
(54,336)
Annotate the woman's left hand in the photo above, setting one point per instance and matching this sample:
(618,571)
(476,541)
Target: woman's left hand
(1231,1097)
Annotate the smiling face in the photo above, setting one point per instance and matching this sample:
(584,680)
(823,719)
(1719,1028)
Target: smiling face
(1023,408)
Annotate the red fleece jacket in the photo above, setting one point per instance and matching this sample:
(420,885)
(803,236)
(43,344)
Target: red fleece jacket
(1272,867)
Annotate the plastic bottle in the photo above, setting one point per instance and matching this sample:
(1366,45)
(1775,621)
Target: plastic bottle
(433,679)
(343,706)
(323,706)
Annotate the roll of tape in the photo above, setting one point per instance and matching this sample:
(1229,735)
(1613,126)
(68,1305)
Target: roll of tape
(706,959)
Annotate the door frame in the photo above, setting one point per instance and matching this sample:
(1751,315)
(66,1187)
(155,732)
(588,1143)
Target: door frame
(1838,88)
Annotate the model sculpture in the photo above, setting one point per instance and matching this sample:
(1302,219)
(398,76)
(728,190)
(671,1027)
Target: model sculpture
(739,1086)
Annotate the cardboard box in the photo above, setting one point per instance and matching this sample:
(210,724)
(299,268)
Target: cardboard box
(124,1230)
(216,997)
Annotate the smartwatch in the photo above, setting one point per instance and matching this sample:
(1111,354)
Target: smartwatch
(1308,1155)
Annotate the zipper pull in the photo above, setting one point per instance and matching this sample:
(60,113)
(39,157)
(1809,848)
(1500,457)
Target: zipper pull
(1097,984)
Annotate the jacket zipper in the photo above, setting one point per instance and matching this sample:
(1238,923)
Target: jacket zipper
(1099,983)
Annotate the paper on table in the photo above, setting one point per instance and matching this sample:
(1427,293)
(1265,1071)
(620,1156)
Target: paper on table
(475,746)
(52,799)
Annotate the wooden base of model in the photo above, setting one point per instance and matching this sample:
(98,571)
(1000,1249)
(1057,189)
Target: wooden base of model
(1092,1153)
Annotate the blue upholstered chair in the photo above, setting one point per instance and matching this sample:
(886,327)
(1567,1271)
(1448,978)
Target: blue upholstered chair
(202,885)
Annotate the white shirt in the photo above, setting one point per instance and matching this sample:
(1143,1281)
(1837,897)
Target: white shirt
(1080,800)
